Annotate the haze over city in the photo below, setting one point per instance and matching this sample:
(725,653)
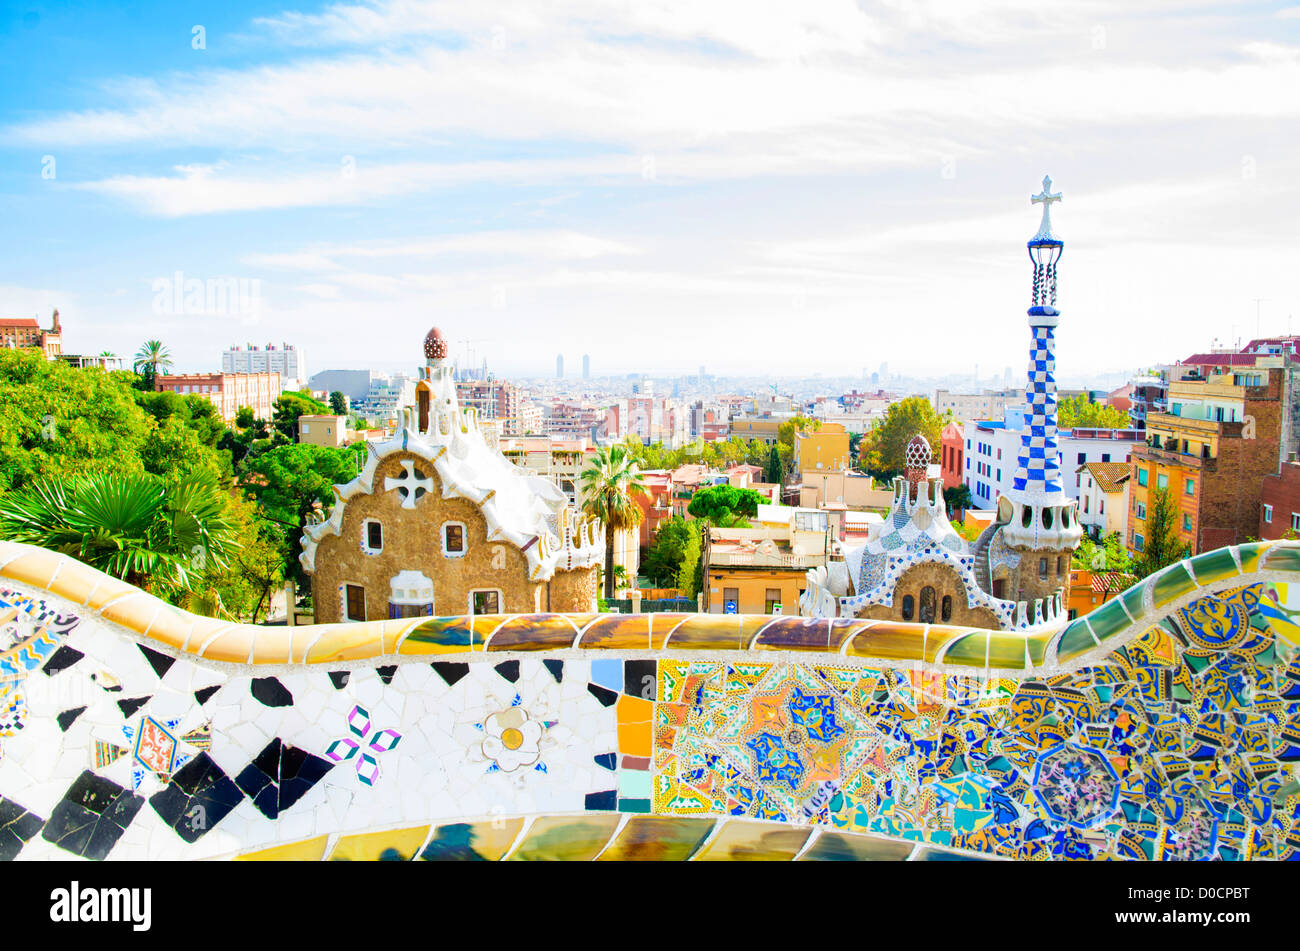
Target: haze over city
(766,189)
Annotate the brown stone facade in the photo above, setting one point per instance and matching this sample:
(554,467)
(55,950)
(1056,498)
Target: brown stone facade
(927,585)
(1040,574)
(412,540)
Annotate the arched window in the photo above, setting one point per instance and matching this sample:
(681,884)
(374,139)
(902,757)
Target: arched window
(909,607)
(929,604)
(1047,517)
(946,613)
(1027,516)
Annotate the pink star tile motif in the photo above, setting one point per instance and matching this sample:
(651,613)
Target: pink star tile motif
(347,747)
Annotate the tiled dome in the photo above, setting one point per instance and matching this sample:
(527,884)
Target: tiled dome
(435,347)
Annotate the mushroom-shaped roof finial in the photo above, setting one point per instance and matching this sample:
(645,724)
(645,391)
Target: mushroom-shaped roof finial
(435,346)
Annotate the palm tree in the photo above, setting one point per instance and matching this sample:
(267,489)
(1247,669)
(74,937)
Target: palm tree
(153,534)
(151,358)
(610,484)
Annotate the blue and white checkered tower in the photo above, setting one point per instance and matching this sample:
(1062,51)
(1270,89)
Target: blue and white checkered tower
(1040,514)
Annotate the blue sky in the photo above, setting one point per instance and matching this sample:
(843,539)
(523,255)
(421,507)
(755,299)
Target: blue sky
(755,186)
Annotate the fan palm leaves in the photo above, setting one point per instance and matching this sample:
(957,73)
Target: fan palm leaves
(151,358)
(151,533)
(610,485)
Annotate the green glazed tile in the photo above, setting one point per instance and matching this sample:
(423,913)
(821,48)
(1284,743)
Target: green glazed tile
(1173,582)
(1037,644)
(1107,621)
(1132,599)
(1074,641)
(970,650)
(1250,555)
(1282,559)
(1007,651)
(1214,566)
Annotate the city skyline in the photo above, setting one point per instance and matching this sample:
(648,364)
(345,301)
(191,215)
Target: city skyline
(829,168)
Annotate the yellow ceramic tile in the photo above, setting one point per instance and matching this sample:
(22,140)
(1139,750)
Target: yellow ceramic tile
(743,841)
(135,612)
(888,640)
(658,839)
(347,642)
(34,566)
(308,850)
(172,627)
(108,590)
(566,838)
(75,581)
(393,845)
(467,841)
(234,646)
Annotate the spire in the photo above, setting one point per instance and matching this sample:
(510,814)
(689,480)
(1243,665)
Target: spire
(1038,469)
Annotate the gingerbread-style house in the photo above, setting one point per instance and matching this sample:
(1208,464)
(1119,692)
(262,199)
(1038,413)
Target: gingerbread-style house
(439,522)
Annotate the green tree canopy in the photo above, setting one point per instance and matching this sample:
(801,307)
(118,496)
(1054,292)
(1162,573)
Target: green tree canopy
(1080,412)
(664,558)
(889,437)
(1162,545)
(57,419)
(288,407)
(1108,554)
(725,505)
(339,403)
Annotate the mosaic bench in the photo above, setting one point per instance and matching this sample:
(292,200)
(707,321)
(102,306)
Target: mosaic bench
(1163,725)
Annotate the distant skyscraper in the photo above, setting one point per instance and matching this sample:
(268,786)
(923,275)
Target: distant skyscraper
(875,379)
(586,366)
(559,366)
(884,371)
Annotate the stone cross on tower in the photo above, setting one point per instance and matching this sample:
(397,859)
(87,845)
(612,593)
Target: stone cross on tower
(1045,198)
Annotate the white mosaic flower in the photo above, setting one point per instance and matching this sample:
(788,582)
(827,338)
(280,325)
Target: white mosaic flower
(512,739)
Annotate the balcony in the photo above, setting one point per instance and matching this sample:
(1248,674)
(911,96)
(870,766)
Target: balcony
(1173,457)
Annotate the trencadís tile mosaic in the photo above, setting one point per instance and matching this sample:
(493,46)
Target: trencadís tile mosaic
(1164,726)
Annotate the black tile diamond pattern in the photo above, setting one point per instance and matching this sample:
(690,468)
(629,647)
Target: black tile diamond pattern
(91,816)
(17,825)
(204,694)
(386,673)
(199,796)
(556,667)
(280,776)
(339,678)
